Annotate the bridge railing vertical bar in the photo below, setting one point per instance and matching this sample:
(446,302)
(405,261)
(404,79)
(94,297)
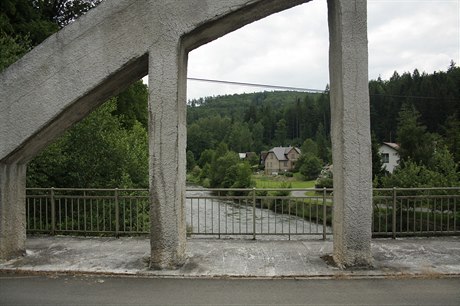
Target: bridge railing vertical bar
(394,214)
(53,212)
(117,214)
(289,223)
(324,213)
(254,213)
(219,216)
(448,214)
(455,214)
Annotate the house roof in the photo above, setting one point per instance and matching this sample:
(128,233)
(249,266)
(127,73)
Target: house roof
(392,145)
(281,152)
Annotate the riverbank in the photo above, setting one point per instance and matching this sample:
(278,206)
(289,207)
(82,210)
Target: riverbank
(281,181)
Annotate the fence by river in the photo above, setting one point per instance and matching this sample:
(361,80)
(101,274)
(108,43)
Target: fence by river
(253,213)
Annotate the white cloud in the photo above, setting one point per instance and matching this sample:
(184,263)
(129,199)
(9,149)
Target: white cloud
(287,48)
(405,35)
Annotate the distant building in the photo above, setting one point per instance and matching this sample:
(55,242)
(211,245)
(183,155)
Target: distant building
(390,156)
(247,155)
(281,159)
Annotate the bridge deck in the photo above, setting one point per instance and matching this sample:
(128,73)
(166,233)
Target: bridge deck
(409,257)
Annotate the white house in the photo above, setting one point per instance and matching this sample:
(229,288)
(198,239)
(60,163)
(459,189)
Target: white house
(390,156)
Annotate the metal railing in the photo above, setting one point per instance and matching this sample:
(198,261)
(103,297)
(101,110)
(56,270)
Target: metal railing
(258,212)
(416,211)
(240,212)
(87,211)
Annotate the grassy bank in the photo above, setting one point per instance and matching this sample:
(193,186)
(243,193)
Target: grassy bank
(281,181)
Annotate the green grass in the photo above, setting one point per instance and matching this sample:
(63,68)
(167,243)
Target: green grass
(268,181)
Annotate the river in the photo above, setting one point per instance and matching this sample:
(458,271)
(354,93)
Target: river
(208,216)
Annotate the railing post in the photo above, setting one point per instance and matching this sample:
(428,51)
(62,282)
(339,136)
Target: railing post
(324,213)
(254,213)
(393,225)
(218,206)
(53,212)
(117,214)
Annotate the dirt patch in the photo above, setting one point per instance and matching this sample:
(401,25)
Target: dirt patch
(329,260)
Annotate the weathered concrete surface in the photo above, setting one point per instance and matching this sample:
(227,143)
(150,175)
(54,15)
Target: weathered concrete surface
(167,134)
(409,257)
(60,81)
(13,215)
(351,142)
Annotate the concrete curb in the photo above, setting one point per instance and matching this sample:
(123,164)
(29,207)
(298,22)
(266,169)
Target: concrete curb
(152,274)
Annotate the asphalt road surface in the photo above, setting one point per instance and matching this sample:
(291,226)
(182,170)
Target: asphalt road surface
(85,290)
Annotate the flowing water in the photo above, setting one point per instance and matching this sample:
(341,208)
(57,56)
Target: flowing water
(208,216)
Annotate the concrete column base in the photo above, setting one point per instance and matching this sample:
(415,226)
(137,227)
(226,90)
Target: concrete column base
(12,210)
(351,141)
(167,143)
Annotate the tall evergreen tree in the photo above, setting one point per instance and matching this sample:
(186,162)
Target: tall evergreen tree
(281,133)
(322,142)
(415,142)
(377,164)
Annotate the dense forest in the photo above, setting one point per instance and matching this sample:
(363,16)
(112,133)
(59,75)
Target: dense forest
(283,118)
(420,111)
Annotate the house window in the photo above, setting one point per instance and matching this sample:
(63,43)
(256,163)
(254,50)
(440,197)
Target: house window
(285,163)
(385,158)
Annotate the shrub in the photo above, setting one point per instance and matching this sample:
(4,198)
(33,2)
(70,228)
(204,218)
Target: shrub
(324,182)
(311,167)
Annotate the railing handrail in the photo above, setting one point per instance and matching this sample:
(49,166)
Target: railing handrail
(416,189)
(239,189)
(85,189)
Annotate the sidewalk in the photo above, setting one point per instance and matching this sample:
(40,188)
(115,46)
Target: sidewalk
(408,257)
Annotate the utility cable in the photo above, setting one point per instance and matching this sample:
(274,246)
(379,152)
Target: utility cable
(302,89)
(258,85)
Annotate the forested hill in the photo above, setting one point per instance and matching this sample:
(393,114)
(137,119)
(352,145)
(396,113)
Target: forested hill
(258,121)
(435,96)
(237,105)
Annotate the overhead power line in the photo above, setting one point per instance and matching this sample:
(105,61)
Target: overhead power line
(302,89)
(258,85)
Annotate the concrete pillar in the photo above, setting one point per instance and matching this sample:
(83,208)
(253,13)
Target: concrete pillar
(167,158)
(351,142)
(12,210)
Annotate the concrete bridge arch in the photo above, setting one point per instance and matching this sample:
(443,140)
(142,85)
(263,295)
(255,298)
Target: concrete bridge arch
(62,80)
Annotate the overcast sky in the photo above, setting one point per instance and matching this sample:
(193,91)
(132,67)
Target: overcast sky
(291,48)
